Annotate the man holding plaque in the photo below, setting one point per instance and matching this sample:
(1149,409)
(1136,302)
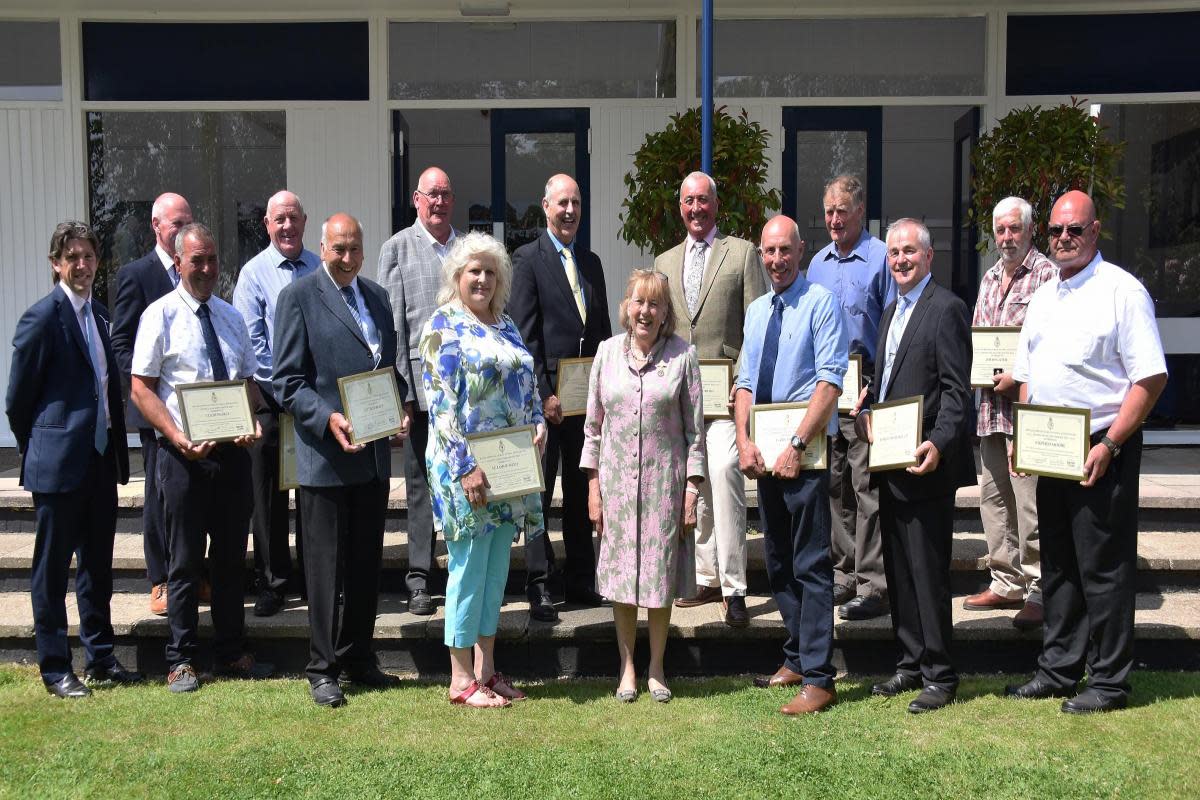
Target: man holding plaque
(560,304)
(191,336)
(794,351)
(854,267)
(258,286)
(1008,503)
(713,280)
(1090,341)
(335,324)
(925,352)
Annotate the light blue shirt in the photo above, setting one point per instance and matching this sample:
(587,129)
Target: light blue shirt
(258,286)
(904,308)
(863,286)
(812,344)
(559,247)
(366,322)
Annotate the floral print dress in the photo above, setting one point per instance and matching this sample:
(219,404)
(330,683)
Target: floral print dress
(478,378)
(644,433)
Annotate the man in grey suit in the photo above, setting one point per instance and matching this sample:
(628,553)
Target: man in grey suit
(714,278)
(331,324)
(410,269)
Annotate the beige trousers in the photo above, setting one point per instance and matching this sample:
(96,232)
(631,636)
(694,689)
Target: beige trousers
(721,533)
(1008,506)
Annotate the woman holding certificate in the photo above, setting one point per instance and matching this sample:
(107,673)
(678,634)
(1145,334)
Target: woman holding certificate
(644,455)
(479,378)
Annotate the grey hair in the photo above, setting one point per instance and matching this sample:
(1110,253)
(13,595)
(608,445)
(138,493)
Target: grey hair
(197,230)
(325,226)
(712,185)
(470,248)
(851,185)
(922,231)
(273,199)
(1010,204)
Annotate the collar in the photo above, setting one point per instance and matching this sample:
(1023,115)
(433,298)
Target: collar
(793,291)
(76,301)
(559,246)
(432,240)
(1076,281)
(860,251)
(915,293)
(353,281)
(1025,266)
(277,258)
(708,240)
(166,260)
(189,300)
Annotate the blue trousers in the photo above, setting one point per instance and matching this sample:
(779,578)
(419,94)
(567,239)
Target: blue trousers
(478,570)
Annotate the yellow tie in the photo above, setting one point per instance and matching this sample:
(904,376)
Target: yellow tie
(573,279)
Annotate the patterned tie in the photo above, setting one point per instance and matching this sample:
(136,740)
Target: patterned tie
(573,279)
(173,274)
(895,332)
(352,302)
(100,440)
(212,344)
(693,276)
(766,367)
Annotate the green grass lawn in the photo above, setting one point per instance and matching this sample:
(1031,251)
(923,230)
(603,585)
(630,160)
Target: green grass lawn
(719,738)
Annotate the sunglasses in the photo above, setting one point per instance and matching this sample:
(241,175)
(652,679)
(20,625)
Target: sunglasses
(1074,231)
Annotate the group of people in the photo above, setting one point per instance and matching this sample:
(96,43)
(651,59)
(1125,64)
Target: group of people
(474,339)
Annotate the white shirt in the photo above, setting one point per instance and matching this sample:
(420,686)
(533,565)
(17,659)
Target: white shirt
(1087,340)
(442,250)
(366,323)
(168,263)
(905,303)
(97,345)
(170,344)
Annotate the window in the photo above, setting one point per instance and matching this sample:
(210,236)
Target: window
(30,62)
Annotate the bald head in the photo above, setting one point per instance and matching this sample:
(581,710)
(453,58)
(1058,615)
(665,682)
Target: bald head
(285,221)
(563,206)
(168,215)
(434,199)
(342,247)
(1074,232)
(782,251)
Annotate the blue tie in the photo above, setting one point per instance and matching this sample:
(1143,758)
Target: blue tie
(212,344)
(766,367)
(101,437)
(352,302)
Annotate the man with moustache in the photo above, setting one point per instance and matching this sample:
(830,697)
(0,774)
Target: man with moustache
(925,349)
(189,335)
(854,267)
(410,270)
(64,409)
(560,303)
(335,323)
(1008,503)
(713,279)
(794,352)
(1090,340)
(259,283)
(140,283)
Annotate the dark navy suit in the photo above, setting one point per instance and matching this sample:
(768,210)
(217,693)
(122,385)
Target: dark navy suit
(53,412)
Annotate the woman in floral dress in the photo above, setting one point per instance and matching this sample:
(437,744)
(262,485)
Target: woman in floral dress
(478,377)
(644,454)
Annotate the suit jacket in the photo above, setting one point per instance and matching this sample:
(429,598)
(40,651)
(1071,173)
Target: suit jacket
(933,361)
(542,305)
(316,342)
(139,283)
(411,273)
(732,281)
(51,402)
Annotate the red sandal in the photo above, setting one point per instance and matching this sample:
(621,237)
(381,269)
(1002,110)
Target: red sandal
(477,696)
(503,687)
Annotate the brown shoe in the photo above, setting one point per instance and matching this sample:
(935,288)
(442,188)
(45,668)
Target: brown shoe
(706,594)
(810,700)
(1030,617)
(782,677)
(988,600)
(158,599)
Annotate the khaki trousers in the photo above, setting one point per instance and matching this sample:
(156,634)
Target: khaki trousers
(1008,506)
(721,534)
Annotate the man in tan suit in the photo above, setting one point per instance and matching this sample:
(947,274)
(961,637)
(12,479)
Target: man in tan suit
(714,278)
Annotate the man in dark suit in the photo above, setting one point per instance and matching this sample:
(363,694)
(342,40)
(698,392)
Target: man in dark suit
(330,324)
(924,350)
(65,412)
(560,304)
(140,283)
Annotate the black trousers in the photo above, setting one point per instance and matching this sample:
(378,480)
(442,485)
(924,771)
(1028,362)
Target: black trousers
(564,448)
(1089,563)
(917,539)
(210,496)
(154,532)
(799,567)
(420,511)
(343,546)
(272,551)
(80,522)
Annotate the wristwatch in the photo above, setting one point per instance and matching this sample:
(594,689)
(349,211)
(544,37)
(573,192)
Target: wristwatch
(1112,446)
(797,443)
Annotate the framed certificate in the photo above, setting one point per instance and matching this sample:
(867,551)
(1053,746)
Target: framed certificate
(994,350)
(510,460)
(572,386)
(215,411)
(371,401)
(896,427)
(851,384)
(716,379)
(772,427)
(287,453)
(1051,440)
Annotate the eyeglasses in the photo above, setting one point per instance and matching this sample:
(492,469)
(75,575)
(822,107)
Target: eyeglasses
(444,197)
(1074,231)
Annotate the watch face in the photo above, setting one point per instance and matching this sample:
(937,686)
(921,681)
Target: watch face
(797,443)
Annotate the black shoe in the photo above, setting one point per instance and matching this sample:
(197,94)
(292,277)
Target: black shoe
(895,685)
(371,677)
(586,596)
(1089,701)
(863,607)
(931,698)
(420,602)
(1037,689)
(325,692)
(541,607)
(112,675)
(842,594)
(69,686)
(736,615)
(245,668)
(269,603)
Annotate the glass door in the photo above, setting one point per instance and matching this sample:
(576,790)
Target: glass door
(964,279)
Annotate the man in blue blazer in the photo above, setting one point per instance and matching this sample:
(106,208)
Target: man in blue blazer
(64,407)
(140,283)
(330,324)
